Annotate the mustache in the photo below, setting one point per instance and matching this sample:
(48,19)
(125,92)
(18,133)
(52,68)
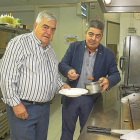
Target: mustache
(47,35)
(92,41)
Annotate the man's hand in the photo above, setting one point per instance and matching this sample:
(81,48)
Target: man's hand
(104,83)
(65,86)
(72,74)
(20,111)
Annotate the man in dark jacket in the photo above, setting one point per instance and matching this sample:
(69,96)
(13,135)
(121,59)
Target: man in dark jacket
(85,59)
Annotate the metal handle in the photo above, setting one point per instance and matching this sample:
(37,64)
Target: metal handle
(118,94)
(98,129)
(120,62)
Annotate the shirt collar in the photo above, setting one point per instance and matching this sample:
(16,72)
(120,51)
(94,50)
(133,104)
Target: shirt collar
(38,41)
(89,51)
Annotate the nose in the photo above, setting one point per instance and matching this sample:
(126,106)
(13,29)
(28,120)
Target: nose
(93,37)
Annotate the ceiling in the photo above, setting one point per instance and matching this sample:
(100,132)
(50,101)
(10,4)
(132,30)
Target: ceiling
(122,6)
(127,6)
(8,3)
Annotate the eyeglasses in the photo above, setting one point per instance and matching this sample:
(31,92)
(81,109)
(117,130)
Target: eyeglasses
(46,27)
(90,34)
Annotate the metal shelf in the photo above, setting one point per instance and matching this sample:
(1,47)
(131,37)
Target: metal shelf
(13,30)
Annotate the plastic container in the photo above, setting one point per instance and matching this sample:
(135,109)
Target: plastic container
(18,20)
(2,19)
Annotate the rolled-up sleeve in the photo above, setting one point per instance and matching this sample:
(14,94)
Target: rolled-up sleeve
(60,83)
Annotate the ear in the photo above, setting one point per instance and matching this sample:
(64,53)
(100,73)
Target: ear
(102,36)
(85,33)
(35,25)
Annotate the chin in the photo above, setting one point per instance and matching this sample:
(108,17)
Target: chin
(92,47)
(46,41)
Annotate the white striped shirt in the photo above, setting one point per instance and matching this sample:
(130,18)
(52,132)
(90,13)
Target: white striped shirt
(28,72)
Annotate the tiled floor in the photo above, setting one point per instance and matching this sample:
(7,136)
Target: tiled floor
(54,131)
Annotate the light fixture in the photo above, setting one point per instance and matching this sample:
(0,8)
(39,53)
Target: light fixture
(107,2)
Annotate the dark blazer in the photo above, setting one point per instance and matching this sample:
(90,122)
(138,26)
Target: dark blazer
(105,65)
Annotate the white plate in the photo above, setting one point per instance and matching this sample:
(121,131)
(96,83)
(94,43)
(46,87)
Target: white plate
(73,92)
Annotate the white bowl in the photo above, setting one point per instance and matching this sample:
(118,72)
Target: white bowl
(73,92)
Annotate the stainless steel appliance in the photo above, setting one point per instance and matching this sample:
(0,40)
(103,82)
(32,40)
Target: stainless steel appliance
(130,89)
(129,62)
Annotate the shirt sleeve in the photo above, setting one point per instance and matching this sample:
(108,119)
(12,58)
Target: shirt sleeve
(10,72)
(60,83)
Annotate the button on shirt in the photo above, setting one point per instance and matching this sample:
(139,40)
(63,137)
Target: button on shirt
(87,68)
(28,72)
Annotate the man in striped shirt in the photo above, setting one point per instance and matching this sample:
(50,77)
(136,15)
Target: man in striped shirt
(29,79)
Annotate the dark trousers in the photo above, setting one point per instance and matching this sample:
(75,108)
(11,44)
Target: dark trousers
(78,107)
(35,127)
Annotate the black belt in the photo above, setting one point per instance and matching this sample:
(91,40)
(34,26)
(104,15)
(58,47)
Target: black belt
(34,103)
(87,95)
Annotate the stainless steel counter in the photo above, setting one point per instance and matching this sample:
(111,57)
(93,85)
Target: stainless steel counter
(105,113)
(130,111)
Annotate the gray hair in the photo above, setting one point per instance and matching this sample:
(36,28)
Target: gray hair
(47,15)
(95,23)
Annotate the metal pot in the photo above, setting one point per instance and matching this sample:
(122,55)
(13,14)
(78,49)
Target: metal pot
(93,87)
